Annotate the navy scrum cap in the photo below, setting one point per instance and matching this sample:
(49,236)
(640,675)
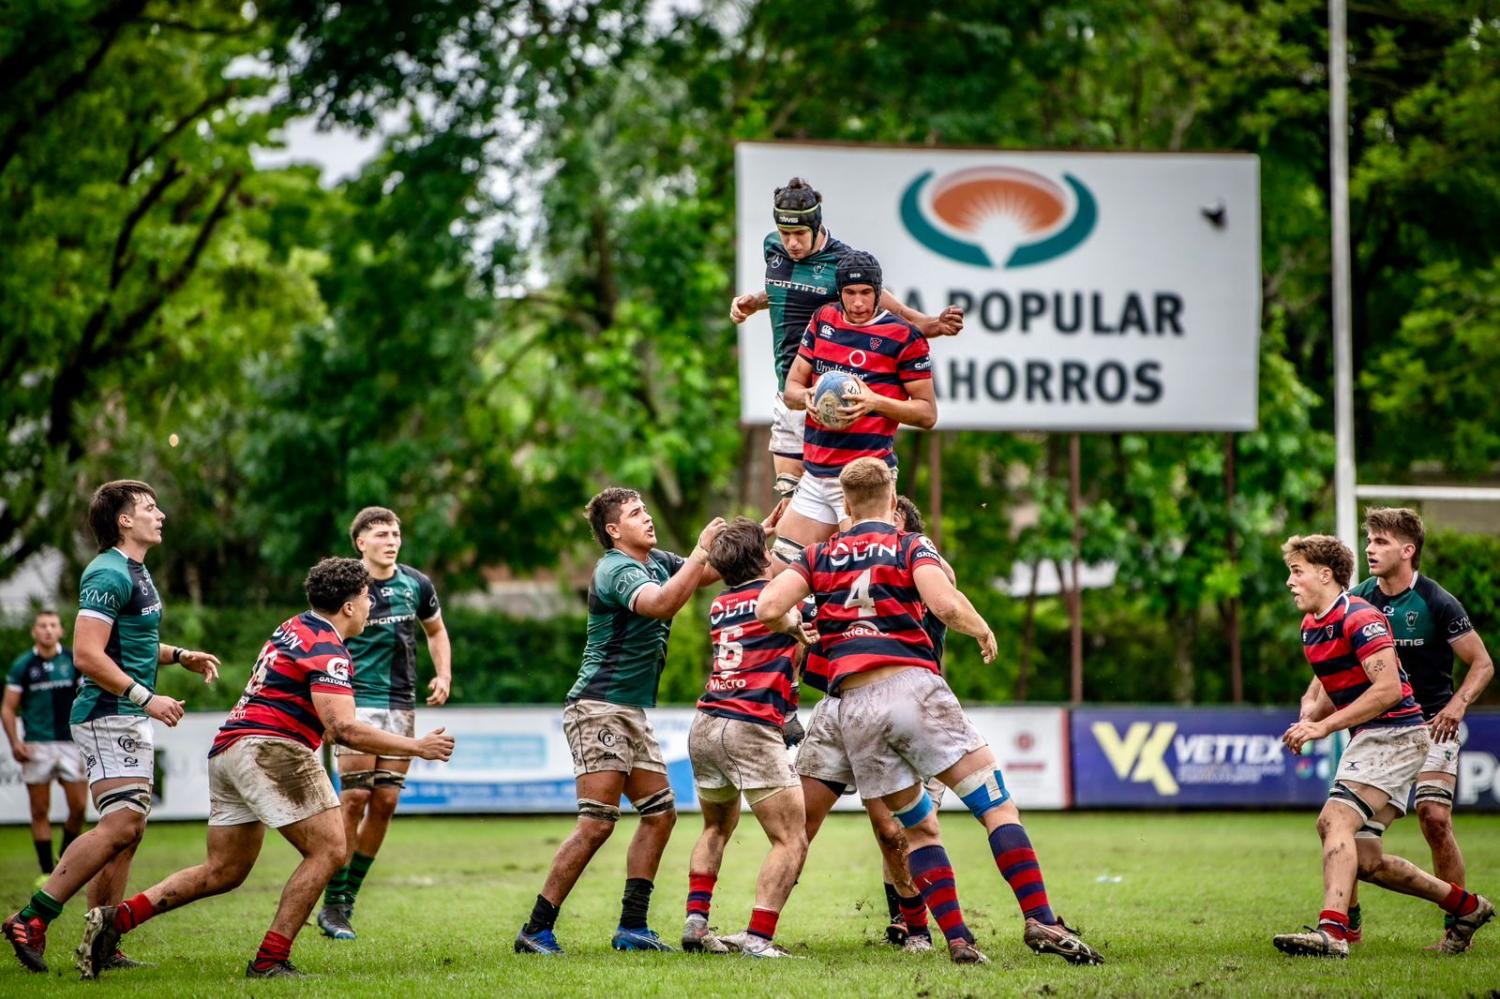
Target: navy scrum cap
(858,268)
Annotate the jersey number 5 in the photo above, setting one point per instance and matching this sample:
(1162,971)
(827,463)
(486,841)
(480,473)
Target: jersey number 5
(859,595)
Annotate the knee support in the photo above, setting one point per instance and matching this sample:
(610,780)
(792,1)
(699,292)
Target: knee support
(388,778)
(134,797)
(982,791)
(1344,796)
(1434,792)
(914,813)
(787,550)
(1370,830)
(359,780)
(786,484)
(661,802)
(588,808)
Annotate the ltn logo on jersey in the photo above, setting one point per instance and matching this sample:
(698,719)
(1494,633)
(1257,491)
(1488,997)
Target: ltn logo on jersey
(987,213)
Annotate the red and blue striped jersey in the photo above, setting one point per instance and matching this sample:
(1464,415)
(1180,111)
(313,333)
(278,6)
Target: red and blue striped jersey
(1339,642)
(305,655)
(887,354)
(753,665)
(869,611)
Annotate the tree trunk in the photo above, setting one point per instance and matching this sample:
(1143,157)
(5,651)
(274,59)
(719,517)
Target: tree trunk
(1028,634)
(1184,630)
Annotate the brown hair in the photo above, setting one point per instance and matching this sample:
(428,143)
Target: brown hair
(1399,522)
(1324,550)
(369,517)
(864,481)
(42,612)
(739,552)
(604,509)
(109,501)
(911,517)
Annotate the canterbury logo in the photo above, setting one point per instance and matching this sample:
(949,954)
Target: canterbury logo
(1141,755)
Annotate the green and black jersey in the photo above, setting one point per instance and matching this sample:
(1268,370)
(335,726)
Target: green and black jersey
(119,590)
(796,288)
(47,687)
(385,653)
(626,651)
(1425,622)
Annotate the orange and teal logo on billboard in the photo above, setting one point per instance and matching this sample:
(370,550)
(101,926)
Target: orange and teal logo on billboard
(980,215)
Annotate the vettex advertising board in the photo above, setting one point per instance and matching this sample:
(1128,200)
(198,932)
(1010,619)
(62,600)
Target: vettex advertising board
(1103,291)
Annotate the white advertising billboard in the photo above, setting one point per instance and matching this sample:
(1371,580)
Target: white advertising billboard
(1103,291)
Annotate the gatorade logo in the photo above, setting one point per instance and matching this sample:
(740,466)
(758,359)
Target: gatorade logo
(1141,755)
(978,216)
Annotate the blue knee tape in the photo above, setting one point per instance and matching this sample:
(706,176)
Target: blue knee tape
(918,810)
(983,791)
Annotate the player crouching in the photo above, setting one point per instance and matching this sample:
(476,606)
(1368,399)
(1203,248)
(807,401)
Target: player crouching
(898,718)
(263,770)
(736,747)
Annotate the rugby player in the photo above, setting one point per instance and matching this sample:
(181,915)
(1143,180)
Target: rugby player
(636,590)
(385,680)
(1429,628)
(896,716)
(1362,689)
(117,648)
(264,770)
(801,258)
(736,747)
(39,689)
(891,358)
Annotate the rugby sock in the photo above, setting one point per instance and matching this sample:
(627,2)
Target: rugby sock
(700,893)
(763,923)
(934,879)
(914,915)
(42,906)
(337,891)
(1356,920)
(543,916)
(1334,923)
(1458,902)
(274,949)
(133,912)
(892,902)
(635,903)
(44,854)
(358,868)
(1018,865)
(67,841)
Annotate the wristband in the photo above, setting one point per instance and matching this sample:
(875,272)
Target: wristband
(138,694)
(177,652)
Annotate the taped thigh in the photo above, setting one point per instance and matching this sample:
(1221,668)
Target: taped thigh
(787,550)
(359,780)
(588,808)
(1342,794)
(657,803)
(1370,830)
(983,791)
(914,813)
(786,485)
(132,797)
(1434,792)
(388,778)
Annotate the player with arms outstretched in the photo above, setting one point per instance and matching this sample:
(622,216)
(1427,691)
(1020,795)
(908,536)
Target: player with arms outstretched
(1363,690)
(898,720)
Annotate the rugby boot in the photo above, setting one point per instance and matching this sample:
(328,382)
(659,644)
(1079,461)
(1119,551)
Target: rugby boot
(896,933)
(281,969)
(1060,939)
(965,952)
(28,937)
(1460,935)
(540,942)
(99,943)
(754,946)
(918,943)
(1311,942)
(120,961)
(333,921)
(643,939)
(698,937)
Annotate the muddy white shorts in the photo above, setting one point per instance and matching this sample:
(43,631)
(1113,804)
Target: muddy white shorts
(273,781)
(117,746)
(52,761)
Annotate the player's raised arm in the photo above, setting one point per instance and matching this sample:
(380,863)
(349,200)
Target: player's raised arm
(949,322)
(952,607)
(664,601)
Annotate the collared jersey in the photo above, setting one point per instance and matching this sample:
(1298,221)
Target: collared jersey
(753,665)
(887,354)
(304,655)
(1339,642)
(795,289)
(1425,621)
(118,589)
(869,611)
(625,652)
(47,687)
(385,653)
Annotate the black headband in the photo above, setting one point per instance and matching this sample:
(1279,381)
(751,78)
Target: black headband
(799,218)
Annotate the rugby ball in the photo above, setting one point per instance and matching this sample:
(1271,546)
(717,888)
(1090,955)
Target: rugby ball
(829,393)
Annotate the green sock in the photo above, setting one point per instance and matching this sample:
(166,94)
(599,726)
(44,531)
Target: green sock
(337,892)
(358,868)
(1356,919)
(43,905)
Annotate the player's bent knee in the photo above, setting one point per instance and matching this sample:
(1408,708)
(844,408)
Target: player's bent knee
(787,550)
(912,815)
(659,805)
(983,791)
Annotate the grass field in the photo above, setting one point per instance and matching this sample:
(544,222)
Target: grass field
(1192,912)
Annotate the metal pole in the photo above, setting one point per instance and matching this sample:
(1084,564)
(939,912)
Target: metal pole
(1075,591)
(1343,350)
(1232,623)
(935,488)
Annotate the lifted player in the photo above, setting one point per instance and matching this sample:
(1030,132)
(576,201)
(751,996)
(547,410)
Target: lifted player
(898,720)
(385,681)
(801,258)
(264,770)
(117,648)
(1365,690)
(736,747)
(39,689)
(636,590)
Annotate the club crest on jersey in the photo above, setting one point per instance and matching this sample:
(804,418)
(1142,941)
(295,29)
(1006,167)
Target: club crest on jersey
(875,342)
(1328,631)
(1411,619)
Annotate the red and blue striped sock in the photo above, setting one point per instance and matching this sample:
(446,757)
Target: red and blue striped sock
(763,923)
(1018,865)
(700,893)
(1334,923)
(913,914)
(1458,902)
(933,876)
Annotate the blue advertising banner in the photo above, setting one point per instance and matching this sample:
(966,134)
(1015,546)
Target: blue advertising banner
(1478,762)
(1194,757)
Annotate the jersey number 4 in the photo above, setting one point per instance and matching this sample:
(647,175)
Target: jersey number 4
(859,595)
